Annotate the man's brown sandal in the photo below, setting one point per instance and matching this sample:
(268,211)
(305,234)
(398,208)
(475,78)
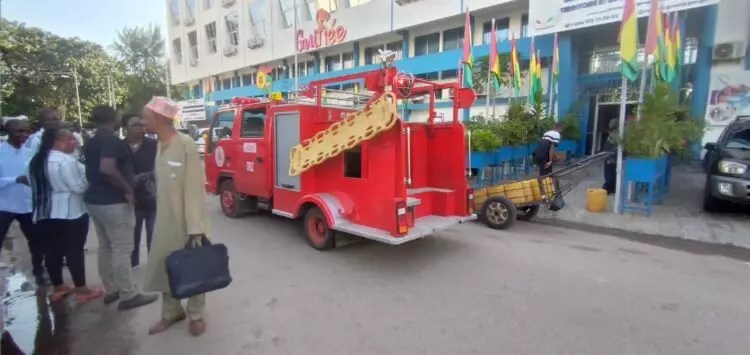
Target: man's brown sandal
(164,324)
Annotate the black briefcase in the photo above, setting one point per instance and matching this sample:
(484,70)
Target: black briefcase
(198,269)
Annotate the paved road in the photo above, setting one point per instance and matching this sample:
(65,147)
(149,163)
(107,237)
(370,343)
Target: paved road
(533,290)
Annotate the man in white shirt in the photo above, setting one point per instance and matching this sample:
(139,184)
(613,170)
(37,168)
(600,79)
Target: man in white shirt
(15,194)
(48,118)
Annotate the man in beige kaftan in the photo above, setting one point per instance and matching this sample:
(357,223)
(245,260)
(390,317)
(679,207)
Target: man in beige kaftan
(180,215)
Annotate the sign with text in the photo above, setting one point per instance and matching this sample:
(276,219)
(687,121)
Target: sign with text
(326,34)
(550,16)
(192,110)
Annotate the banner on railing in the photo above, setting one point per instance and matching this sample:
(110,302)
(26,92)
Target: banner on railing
(728,97)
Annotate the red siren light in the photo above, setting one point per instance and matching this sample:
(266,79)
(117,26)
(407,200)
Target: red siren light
(245,101)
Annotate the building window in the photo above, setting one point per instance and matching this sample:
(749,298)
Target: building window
(453,39)
(348,60)
(328,5)
(287,9)
(427,44)
(190,6)
(226,84)
(247,79)
(306,68)
(355,3)
(428,76)
(211,37)
(372,54)
(233,29)
(449,74)
(177,48)
(174,12)
(333,63)
(502,30)
(208,4)
(258,17)
(524,25)
(193,43)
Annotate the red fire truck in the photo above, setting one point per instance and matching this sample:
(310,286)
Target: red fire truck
(360,171)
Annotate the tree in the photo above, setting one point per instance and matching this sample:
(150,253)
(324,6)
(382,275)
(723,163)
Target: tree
(481,70)
(38,66)
(141,51)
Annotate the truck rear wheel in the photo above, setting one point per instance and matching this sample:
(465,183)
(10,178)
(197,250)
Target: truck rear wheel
(317,231)
(499,212)
(229,198)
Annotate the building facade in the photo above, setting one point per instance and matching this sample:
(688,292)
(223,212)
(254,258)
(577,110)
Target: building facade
(217,46)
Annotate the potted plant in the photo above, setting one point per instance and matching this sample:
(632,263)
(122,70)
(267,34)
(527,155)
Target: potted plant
(484,142)
(571,133)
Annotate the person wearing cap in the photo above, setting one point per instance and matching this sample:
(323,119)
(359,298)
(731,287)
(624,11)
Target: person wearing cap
(109,201)
(180,216)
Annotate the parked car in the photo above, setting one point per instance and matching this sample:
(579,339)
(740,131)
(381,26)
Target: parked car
(200,141)
(726,163)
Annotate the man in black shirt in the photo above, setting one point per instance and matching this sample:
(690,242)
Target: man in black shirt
(545,150)
(109,200)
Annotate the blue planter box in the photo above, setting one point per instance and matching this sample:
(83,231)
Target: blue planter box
(569,146)
(644,169)
(645,177)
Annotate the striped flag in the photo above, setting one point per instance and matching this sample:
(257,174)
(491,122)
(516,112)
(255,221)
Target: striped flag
(629,41)
(515,67)
(494,59)
(669,54)
(555,61)
(677,45)
(468,59)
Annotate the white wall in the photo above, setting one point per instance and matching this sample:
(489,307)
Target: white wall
(733,25)
(372,19)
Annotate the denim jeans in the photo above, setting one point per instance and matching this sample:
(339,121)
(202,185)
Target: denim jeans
(147,218)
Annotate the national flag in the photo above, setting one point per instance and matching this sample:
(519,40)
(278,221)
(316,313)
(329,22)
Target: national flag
(669,54)
(655,39)
(532,74)
(677,44)
(629,41)
(515,67)
(468,59)
(494,59)
(555,61)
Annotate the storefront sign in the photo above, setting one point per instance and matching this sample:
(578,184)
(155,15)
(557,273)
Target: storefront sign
(192,110)
(728,97)
(550,16)
(328,33)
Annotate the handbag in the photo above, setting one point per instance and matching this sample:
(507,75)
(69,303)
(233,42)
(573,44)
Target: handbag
(198,269)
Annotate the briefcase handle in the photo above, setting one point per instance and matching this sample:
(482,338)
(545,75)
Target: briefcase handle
(192,241)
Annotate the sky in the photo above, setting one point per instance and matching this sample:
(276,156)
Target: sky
(94,20)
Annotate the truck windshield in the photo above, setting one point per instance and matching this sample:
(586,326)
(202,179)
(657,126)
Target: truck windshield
(739,139)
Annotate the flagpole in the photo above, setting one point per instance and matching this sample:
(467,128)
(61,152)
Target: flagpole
(621,136)
(489,73)
(296,65)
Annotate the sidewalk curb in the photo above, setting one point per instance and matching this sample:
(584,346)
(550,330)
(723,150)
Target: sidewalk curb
(692,246)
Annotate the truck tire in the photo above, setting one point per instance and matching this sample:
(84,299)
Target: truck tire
(499,212)
(317,231)
(527,213)
(231,204)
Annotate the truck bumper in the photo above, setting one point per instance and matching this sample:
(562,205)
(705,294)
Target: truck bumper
(423,227)
(732,189)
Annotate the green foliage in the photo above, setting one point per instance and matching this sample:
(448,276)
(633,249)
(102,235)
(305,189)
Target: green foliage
(663,127)
(571,126)
(484,140)
(481,68)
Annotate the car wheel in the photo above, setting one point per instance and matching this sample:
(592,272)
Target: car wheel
(710,203)
(499,212)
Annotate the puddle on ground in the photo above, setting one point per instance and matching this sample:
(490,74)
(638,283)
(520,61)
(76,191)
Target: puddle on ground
(31,324)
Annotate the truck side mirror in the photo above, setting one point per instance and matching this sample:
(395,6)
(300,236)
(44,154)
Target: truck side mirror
(710,146)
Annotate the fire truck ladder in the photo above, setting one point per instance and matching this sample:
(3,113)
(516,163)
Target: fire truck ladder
(356,128)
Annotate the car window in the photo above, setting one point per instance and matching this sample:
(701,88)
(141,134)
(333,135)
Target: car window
(221,128)
(253,123)
(738,139)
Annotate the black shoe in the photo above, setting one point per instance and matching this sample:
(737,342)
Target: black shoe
(111,298)
(137,301)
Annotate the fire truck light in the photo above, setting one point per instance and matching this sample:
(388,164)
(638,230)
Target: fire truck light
(244,101)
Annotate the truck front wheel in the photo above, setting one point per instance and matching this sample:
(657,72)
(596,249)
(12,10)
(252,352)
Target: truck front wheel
(317,231)
(230,201)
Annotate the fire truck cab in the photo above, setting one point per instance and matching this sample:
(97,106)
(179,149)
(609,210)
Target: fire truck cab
(361,171)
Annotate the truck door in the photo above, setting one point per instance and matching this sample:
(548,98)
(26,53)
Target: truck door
(218,148)
(252,157)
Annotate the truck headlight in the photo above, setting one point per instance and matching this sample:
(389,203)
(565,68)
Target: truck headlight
(732,167)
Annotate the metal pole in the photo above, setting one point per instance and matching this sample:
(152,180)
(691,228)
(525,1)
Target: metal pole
(78,98)
(642,88)
(166,78)
(109,90)
(296,66)
(621,135)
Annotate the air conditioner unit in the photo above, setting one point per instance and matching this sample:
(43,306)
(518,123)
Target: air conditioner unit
(227,3)
(729,51)
(230,51)
(193,62)
(189,20)
(254,43)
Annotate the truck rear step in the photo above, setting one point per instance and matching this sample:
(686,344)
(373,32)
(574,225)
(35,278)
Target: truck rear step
(423,227)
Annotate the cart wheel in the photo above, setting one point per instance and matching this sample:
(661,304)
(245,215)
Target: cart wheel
(316,229)
(499,212)
(528,213)
(231,203)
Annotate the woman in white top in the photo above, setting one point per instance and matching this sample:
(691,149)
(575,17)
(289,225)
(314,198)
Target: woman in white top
(58,182)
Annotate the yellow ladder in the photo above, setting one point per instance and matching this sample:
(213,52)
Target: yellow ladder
(356,128)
